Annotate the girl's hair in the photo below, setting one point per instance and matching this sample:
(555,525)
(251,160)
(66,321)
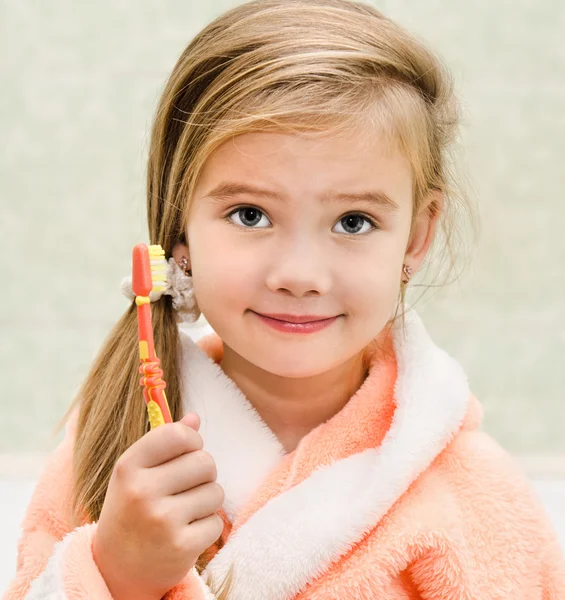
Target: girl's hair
(308,66)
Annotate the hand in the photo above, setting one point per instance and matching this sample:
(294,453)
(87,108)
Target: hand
(159,513)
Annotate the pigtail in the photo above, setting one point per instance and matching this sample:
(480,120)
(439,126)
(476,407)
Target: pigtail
(112,413)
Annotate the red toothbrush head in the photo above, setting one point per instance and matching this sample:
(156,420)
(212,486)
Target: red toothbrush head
(141,280)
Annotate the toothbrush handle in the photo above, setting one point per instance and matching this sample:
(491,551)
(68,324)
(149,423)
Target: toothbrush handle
(152,380)
(154,392)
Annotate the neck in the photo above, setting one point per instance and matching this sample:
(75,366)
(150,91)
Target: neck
(292,407)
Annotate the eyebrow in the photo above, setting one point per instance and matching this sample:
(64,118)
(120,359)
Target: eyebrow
(229,189)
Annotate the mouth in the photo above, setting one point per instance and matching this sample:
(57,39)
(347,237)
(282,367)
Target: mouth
(298,319)
(300,324)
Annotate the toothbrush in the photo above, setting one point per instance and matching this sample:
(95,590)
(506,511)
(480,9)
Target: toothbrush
(149,274)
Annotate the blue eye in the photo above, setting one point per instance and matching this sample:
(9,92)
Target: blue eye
(249,216)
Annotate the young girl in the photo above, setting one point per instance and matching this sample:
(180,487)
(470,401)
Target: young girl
(323,445)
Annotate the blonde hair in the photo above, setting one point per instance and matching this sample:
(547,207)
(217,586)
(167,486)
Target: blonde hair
(314,66)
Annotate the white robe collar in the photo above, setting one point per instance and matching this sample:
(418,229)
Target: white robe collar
(294,537)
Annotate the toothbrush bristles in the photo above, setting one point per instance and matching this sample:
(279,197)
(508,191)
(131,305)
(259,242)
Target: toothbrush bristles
(158,266)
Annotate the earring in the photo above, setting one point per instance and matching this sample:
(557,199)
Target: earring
(183,264)
(182,290)
(407,270)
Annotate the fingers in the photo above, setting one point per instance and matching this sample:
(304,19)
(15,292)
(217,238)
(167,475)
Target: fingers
(204,532)
(192,420)
(197,503)
(163,444)
(184,473)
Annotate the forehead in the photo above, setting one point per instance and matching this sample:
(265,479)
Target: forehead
(356,147)
(302,163)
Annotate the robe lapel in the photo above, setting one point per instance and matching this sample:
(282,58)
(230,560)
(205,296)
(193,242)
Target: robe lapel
(362,423)
(245,450)
(295,535)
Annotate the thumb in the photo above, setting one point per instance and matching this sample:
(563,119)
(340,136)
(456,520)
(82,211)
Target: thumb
(191,420)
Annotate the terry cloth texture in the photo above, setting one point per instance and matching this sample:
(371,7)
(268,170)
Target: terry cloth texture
(399,496)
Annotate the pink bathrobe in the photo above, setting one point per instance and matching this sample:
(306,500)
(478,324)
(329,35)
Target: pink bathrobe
(399,496)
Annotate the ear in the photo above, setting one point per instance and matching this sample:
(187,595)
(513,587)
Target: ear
(424,229)
(179,251)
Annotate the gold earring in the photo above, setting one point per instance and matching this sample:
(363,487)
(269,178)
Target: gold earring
(407,270)
(183,264)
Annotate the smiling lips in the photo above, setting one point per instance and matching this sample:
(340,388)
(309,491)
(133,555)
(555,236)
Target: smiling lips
(295,318)
(295,323)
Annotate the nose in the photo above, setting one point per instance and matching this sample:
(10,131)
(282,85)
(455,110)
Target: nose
(301,267)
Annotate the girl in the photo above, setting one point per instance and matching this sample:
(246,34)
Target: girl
(324,446)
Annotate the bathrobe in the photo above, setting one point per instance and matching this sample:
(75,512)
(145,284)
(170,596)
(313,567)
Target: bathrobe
(399,496)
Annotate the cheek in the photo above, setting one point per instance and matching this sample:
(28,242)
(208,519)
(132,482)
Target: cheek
(223,277)
(371,286)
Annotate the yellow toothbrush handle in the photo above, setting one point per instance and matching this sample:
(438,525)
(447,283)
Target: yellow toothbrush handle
(155,415)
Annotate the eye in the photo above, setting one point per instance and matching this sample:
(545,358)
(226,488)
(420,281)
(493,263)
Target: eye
(247,214)
(352,222)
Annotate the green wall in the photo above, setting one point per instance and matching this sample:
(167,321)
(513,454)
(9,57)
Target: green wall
(79,86)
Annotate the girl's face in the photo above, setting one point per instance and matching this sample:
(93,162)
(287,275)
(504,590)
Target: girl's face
(285,224)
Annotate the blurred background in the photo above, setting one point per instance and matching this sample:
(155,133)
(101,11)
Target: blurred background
(80,82)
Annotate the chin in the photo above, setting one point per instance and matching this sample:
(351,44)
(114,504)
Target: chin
(300,366)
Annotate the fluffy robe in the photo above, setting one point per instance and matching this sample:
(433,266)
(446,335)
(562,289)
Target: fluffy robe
(400,496)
